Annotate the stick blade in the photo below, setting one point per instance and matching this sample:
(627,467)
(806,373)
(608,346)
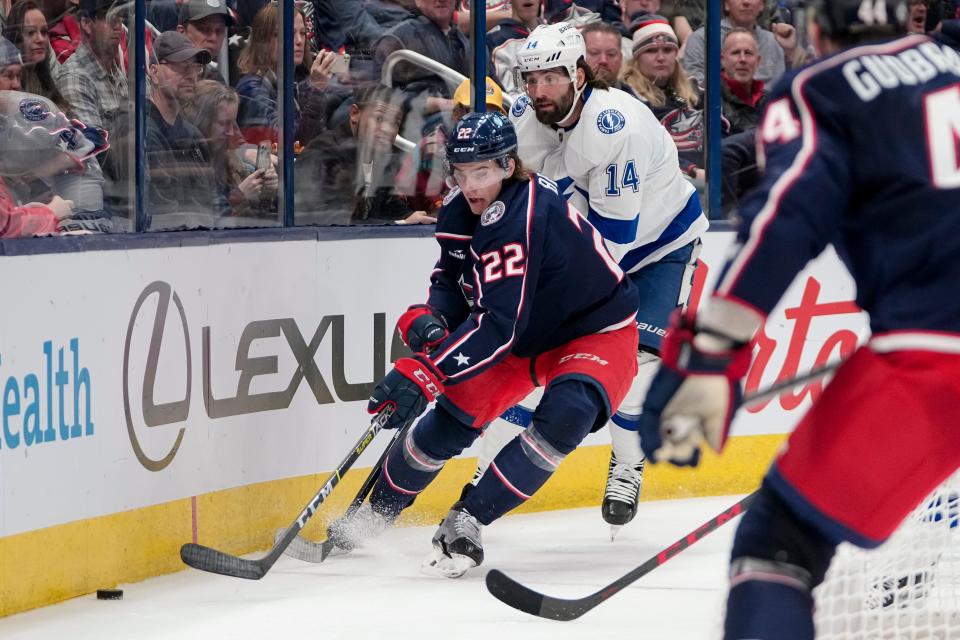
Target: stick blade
(213,561)
(512,593)
(305,550)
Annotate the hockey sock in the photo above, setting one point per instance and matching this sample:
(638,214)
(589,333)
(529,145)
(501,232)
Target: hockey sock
(415,461)
(497,434)
(564,417)
(626,440)
(765,610)
(510,480)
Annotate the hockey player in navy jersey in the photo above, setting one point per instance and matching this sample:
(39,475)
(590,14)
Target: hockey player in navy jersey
(524,294)
(614,161)
(861,152)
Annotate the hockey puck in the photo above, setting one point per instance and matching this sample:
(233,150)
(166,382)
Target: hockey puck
(109,594)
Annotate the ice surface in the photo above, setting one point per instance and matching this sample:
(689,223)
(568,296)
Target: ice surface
(380,592)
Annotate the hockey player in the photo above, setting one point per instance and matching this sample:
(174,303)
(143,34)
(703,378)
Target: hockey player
(861,152)
(530,297)
(614,161)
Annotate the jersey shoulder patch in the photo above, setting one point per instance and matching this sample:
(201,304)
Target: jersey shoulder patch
(610,121)
(519,106)
(492,213)
(447,199)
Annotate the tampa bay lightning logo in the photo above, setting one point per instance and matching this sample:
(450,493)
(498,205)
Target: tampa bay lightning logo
(610,121)
(519,106)
(33,110)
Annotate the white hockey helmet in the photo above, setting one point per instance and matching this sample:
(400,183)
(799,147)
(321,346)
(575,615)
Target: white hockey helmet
(549,46)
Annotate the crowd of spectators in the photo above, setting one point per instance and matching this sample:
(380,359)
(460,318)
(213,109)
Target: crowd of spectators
(366,152)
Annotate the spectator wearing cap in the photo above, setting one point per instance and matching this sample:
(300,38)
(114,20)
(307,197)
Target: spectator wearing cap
(633,12)
(91,80)
(178,160)
(205,23)
(179,173)
(743,93)
(604,54)
(659,81)
(777,48)
(505,39)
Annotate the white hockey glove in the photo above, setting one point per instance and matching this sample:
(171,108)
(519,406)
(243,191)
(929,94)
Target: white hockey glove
(694,395)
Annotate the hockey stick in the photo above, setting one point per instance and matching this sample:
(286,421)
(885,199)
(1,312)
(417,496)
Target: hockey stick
(511,592)
(317,552)
(214,561)
(521,597)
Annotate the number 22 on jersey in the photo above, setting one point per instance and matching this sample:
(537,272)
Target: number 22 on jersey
(506,261)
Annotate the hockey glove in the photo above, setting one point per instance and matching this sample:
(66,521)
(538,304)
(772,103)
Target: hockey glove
(420,329)
(694,395)
(411,385)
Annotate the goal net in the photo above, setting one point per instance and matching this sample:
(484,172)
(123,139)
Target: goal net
(909,587)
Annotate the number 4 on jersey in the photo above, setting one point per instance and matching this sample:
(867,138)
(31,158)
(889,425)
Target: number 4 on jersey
(942,111)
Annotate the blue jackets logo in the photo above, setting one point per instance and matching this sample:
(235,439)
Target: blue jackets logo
(492,213)
(610,121)
(33,110)
(36,408)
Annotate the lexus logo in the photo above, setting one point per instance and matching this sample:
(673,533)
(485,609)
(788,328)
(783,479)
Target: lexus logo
(256,336)
(155,415)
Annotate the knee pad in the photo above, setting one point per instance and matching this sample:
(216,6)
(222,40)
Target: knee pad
(567,413)
(440,436)
(772,539)
(632,405)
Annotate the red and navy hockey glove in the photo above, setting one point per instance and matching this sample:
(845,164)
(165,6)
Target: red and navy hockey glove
(694,395)
(420,329)
(411,385)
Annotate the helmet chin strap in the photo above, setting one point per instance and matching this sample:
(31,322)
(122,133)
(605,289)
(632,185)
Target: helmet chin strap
(576,100)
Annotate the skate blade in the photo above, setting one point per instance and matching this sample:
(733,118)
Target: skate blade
(440,563)
(614,530)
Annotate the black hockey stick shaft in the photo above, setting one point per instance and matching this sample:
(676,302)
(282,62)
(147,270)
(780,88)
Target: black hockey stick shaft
(511,592)
(518,596)
(374,474)
(317,552)
(214,561)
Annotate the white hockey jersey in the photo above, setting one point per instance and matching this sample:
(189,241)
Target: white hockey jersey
(618,165)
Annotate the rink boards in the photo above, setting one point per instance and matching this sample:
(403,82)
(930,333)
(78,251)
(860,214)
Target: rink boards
(152,396)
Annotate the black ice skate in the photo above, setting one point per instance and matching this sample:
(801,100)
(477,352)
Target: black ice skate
(456,544)
(622,493)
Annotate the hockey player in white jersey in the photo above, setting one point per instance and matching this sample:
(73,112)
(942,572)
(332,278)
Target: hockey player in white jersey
(614,161)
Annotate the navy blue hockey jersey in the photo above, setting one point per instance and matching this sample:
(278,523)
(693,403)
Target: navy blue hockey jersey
(862,150)
(527,275)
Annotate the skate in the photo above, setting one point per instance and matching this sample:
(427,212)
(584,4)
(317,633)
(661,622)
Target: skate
(622,493)
(351,531)
(456,544)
